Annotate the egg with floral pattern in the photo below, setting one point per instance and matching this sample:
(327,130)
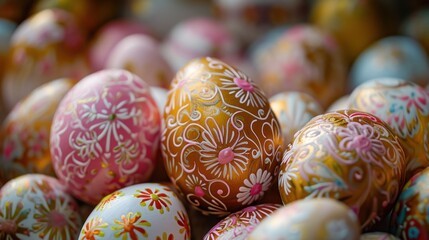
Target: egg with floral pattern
(347,155)
(392,57)
(221,141)
(142,211)
(410,217)
(36,206)
(304,58)
(25,132)
(46,46)
(105,134)
(240,224)
(294,110)
(404,106)
(309,219)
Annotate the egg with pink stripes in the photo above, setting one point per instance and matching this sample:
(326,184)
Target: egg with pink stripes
(104,134)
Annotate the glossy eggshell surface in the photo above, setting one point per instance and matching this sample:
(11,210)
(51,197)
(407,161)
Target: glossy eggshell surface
(410,217)
(25,132)
(304,58)
(35,206)
(221,142)
(142,211)
(404,106)
(141,55)
(309,219)
(293,110)
(346,155)
(240,224)
(105,134)
(46,46)
(198,37)
(391,57)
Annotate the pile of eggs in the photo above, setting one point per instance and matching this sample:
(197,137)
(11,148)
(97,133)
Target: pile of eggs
(214,119)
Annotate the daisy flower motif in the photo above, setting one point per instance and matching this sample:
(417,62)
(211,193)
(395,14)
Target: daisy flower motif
(364,140)
(254,187)
(195,183)
(155,199)
(241,87)
(224,150)
(56,220)
(11,221)
(130,226)
(165,236)
(93,228)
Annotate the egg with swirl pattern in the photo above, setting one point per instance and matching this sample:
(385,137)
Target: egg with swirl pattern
(221,142)
(347,155)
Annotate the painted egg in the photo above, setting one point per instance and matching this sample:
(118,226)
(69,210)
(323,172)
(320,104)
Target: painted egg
(410,217)
(346,155)
(141,55)
(25,132)
(309,219)
(89,14)
(391,57)
(339,104)
(304,59)
(355,24)
(249,20)
(198,37)
(105,134)
(221,141)
(240,224)
(377,236)
(108,36)
(417,26)
(44,47)
(35,206)
(404,106)
(142,211)
(154,12)
(293,110)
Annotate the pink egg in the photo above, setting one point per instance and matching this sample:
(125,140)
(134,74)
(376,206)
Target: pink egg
(45,47)
(141,55)
(199,37)
(105,134)
(108,36)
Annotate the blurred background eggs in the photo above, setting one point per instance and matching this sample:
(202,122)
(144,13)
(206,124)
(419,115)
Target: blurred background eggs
(25,132)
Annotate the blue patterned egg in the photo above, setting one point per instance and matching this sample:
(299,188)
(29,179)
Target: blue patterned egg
(391,57)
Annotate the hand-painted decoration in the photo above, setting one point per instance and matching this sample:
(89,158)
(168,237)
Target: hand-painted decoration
(105,134)
(36,206)
(347,155)
(221,141)
(142,211)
